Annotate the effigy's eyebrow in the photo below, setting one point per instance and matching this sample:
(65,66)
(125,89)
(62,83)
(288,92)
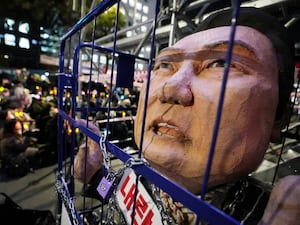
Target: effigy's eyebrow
(237,43)
(211,51)
(171,53)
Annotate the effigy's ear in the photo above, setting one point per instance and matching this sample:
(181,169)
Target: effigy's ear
(279,124)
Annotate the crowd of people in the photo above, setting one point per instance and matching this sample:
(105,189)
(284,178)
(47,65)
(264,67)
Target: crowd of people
(28,120)
(27,127)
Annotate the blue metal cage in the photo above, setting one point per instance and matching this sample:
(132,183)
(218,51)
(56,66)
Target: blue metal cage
(68,90)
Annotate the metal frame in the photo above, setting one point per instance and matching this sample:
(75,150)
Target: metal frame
(68,81)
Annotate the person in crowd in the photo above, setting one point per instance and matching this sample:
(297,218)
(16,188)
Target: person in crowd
(51,124)
(47,134)
(184,96)
(16,148)
(4,116)
(18,102)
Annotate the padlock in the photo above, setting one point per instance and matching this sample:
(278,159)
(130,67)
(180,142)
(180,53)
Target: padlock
(105,188)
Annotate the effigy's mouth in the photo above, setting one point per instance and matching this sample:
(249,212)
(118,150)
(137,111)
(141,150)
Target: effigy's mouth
(168,131)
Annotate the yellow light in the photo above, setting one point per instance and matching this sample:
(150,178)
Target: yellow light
(18,114)
(76,130)
(25,126)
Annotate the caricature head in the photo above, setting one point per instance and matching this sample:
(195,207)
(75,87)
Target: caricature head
(184,95)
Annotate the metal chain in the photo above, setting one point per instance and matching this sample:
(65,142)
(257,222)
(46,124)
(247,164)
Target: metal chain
(238,198)
(68,202)
(254,206)
(112,206)
(133,162)
(111,209)
(156,194)
(102,143)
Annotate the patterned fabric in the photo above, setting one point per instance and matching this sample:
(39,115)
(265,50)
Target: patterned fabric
(244,200)
(180,214)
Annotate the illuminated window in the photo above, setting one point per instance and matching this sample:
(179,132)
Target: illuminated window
(122,11)
(138,16)
(45,35)
(143,28)
(9,24)
(24,43)
(131,3)
(129,33)
(144,18)
(34,42)
(10,39)
(95,58)
(23,27)
(145,9)
(148,49)
(84,57)
(102,59)
(139,6)
(140,66)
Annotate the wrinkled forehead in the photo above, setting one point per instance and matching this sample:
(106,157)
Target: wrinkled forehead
(248,37)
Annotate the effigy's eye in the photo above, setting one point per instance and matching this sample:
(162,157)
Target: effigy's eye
(217,64)
(163,65)
(234,66)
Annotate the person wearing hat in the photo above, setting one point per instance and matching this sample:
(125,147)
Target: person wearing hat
(182,106)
